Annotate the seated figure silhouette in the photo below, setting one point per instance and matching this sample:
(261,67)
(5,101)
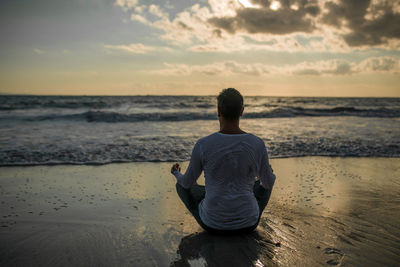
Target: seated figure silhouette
(238,177)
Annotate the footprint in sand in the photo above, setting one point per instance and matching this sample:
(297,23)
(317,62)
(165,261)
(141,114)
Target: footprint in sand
(336,256)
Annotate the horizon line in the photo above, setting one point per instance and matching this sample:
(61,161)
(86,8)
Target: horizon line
(148,95)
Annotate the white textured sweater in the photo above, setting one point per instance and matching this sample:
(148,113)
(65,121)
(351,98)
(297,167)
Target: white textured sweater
(231,163)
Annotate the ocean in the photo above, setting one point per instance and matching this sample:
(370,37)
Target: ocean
(48,130)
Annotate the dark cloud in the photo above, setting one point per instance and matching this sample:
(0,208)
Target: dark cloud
(229,24)
(265,20)
(217,33)
(335,15)
(369,24)
(184,26)
(366,23)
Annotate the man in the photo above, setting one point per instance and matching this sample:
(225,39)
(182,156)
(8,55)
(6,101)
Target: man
(232,201)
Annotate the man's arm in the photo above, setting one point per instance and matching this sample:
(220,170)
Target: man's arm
(267,177)
(194,170)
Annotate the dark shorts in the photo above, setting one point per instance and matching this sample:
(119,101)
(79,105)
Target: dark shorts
(191,197)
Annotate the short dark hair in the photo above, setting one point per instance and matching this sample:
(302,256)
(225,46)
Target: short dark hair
(230,103)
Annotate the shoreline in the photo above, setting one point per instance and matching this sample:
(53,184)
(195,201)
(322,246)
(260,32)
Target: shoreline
(171,162)
(323,211)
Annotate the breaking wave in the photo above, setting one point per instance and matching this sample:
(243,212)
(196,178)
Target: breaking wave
(288,112)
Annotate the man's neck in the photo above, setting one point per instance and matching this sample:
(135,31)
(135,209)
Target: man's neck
(230,127)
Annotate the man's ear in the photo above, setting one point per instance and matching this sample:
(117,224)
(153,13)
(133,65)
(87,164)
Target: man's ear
(219,112)
(241,112)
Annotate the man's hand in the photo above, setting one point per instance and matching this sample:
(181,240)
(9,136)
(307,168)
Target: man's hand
(175,167)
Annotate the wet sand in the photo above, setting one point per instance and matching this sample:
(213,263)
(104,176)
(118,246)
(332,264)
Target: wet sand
(323,211)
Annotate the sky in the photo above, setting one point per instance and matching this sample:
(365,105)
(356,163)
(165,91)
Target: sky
(184,47)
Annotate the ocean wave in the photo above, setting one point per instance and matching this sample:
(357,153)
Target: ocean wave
(101,116)
(325,112)
(9,102)
(114,117)
(54,104)
(152,151)
(79,142)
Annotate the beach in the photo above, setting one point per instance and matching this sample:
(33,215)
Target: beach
(101,100)
(85,181)
(335,211)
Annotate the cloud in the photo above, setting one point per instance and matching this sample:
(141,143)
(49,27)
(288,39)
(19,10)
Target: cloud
(270,20)
(131,48)
(140,9)
(219,26)
(140,18)
(225,68)
(328,68)
(307,72)
(341,23)
(156,11)
(187,28)
(342,67)
(356,22)
(366,22)
(193,29)
(126,4)
(380,64)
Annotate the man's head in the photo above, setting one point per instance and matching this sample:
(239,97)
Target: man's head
(230,104)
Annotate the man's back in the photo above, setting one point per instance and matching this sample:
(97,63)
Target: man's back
(231,164)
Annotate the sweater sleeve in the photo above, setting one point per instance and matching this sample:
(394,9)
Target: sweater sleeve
(267,177)
(194,170)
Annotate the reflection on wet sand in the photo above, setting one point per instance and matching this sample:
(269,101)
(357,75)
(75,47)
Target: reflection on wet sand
(203,249)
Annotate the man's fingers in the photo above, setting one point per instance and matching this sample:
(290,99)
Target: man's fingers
(175,167)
